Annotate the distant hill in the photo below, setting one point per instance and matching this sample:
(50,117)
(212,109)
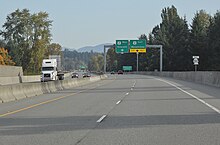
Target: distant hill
(98,48)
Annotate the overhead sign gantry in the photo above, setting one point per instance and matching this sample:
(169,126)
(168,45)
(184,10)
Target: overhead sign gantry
(134,46)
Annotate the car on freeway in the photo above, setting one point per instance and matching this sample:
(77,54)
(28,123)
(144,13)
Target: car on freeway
(99,73)
(112,72)
(120,72)
(75,75)
(85,75)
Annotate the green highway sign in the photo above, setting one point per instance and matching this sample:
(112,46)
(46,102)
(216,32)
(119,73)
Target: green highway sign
(82,67)
(122,46)
(137,44)
(127,68)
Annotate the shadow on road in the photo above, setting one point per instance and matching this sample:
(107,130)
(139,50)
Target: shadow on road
(27,126)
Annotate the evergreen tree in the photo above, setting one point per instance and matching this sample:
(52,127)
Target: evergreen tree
(199,39)
(173,34)
(214,42)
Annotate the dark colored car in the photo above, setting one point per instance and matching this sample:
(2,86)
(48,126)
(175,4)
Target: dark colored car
(75,75)
(99,73)
(120,72)
(85,75)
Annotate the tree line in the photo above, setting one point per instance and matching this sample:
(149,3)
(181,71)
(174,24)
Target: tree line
(73,60)
(180,42)
(27,40)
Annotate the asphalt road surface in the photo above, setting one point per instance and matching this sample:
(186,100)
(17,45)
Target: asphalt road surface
(121,110)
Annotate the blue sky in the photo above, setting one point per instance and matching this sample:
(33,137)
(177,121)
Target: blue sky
(78,23)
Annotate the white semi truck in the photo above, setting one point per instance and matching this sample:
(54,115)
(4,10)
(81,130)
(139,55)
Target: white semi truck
(50,70)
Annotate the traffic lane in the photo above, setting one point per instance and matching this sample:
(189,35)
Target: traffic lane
(28,127)
(23,103)
(66,121)
(18,104)
(156,113)
(92,102)
(158,98)
(207,93)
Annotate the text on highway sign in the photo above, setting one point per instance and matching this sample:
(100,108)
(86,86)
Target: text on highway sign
(122,46)
(137,46)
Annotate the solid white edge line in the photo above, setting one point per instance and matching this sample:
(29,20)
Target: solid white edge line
(118,102)
(101,119)
(200,100)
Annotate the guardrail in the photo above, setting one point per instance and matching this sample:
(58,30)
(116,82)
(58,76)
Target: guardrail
(25,90)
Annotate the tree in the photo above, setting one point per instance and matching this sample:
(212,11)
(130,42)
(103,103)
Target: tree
(173,34)
(100,60)
(214,42)
(27,37)
(93,64)
(5,59)
(41,39)
(199,39)
(2,44)
(18,36)
(73,59)
(111,60)
(96,63)
(53,49)
(145,58)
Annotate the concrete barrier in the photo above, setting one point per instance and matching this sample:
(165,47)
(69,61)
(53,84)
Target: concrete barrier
(17,79)
(9,80)
(45,88)
(23,90)
(83,81)
(96,78)
(211,78)
(10,71)
(34,78)
(18,91)
(37,89)
(73,83)
(103,77)
(58,85)
(52,86)
(63,84)
(6,94)
(68,84)
(29,89)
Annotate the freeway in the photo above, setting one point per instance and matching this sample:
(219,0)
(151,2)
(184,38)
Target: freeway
(121,110)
